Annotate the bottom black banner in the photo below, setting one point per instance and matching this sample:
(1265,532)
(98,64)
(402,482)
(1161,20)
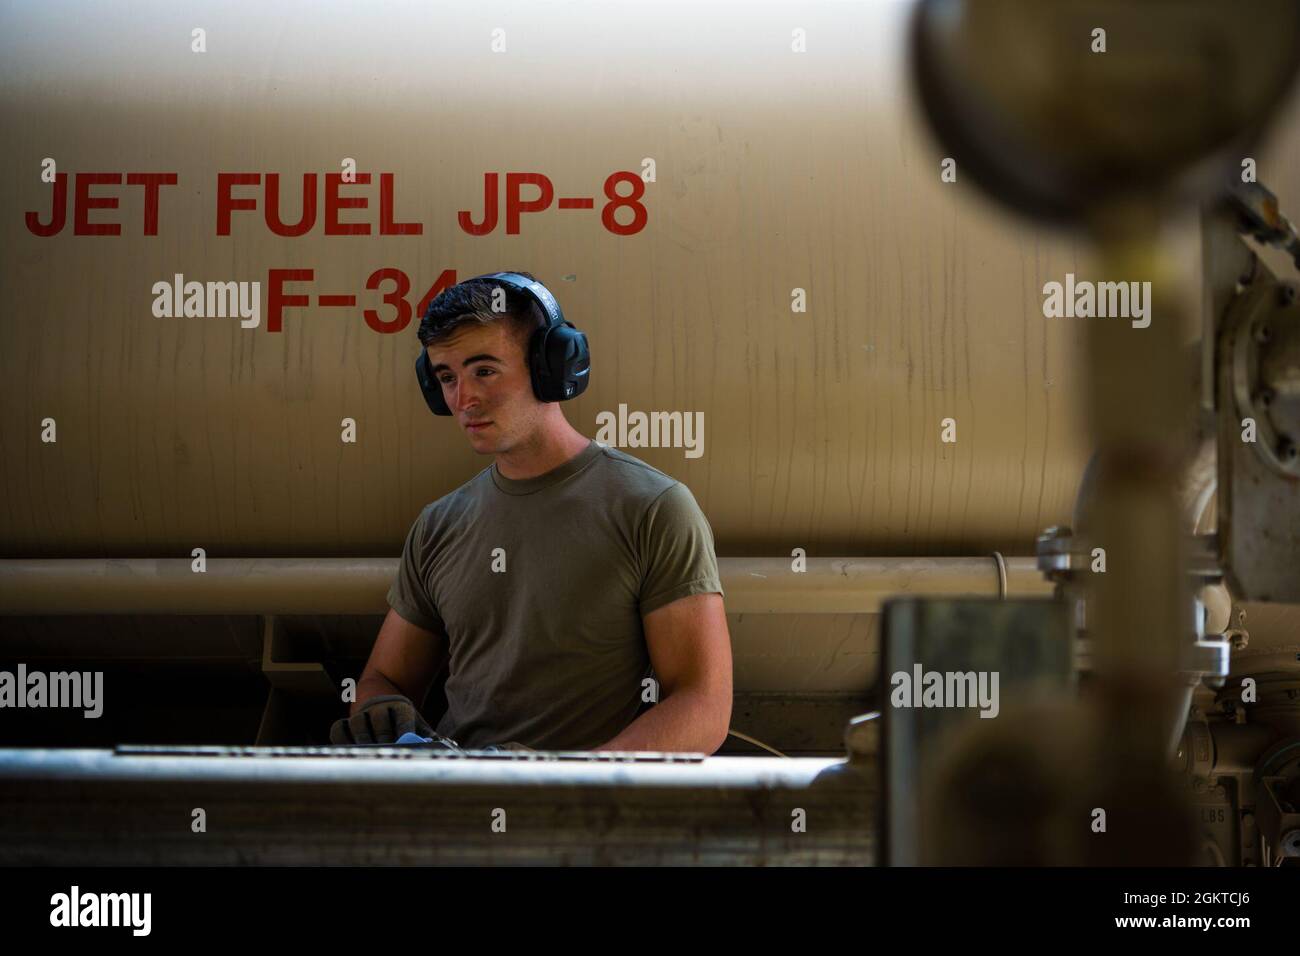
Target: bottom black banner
(337,905)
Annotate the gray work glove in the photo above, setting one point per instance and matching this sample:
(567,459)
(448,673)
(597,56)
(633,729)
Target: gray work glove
(381,720)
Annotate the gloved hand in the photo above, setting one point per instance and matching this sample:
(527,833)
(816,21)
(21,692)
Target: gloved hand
(438,740)
(381,720)
(513,746)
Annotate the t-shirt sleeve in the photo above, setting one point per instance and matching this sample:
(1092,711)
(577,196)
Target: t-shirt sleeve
(408,595)
(676,545)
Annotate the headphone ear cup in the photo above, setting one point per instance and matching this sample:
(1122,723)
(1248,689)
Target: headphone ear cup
(577,364)
(560,361)
(429,386)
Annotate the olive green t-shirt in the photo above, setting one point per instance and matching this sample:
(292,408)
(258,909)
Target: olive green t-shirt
(540,585)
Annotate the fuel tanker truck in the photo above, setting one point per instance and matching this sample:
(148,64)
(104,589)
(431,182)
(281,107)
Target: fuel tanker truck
(940,360)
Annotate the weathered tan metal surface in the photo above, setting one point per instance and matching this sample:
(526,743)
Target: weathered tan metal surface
(775,171)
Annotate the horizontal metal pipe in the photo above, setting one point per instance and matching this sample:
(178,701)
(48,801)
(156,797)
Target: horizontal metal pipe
(82,807)
(408,766)
(359,585)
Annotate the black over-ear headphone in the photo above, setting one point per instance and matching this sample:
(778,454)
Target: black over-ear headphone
(558,358)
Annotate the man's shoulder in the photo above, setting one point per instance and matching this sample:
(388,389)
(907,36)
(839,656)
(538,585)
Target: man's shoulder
(638,493)
(634,477)
(455,501)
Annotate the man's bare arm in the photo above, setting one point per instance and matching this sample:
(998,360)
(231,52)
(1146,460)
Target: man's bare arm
(404,660)
(690,648)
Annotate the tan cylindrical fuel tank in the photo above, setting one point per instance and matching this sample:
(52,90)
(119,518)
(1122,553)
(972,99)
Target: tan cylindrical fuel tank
(803,280)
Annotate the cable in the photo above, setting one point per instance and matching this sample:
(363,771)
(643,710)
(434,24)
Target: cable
(1002,575)
(756,743)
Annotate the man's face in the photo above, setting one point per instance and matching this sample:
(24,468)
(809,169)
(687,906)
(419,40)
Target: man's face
(485,382)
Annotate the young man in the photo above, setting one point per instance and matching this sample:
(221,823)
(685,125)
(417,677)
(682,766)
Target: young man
(555,582)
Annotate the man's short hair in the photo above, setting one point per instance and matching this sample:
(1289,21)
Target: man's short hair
(470,302)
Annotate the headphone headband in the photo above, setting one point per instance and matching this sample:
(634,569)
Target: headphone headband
(539,293)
